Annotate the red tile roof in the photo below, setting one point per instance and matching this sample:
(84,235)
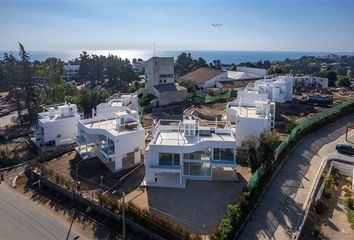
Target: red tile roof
(202,75)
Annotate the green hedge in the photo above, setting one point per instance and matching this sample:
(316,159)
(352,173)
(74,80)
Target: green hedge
(237,213)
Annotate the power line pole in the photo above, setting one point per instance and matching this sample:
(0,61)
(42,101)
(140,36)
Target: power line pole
(123,217)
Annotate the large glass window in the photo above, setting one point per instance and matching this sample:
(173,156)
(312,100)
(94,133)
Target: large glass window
(197,169)
(227,154)
(169,159)
(224,154)
(203,154)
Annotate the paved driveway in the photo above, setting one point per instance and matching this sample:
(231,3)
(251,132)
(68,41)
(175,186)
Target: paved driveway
(279,213)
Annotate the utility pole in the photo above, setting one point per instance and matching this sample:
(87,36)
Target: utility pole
(123,216)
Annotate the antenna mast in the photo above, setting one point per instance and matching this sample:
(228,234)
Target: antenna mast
(154,49)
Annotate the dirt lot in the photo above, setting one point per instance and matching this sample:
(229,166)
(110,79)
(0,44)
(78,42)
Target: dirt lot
(14,152)
(90,172)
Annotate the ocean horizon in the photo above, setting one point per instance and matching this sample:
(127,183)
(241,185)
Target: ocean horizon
(226,57)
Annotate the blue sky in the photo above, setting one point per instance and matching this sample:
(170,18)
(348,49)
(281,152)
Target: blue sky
(271,25)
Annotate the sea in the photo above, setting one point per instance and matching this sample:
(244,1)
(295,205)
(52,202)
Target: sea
(226,57)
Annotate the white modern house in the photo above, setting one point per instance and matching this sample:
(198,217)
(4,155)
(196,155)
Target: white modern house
(279,89)
(160,82)
(118,102)
(188,149)
(310,81)
(116,138)
(57,125)
(250,118)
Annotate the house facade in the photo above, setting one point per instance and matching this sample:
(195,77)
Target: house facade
(57,125)
(279,89)
(117,139)
(250,119)
(189,149)
(310,82)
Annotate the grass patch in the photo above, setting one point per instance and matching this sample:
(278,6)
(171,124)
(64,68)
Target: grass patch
(351,217)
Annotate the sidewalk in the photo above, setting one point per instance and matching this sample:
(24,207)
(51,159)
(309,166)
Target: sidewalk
(280,211)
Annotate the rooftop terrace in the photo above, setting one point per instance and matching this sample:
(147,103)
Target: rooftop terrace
(189,132)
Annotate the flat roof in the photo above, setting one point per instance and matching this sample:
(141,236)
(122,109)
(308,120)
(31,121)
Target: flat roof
(249,112)
(178,138)
(110,126)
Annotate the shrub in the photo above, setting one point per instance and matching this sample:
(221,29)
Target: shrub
(289,126)
(349,201)
(347,188)
(225,230)
(348,180)
(316,232)
(336,176)
(350,215)
(329,186)
(320,207)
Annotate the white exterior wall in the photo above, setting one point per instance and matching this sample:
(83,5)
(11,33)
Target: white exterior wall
(154,68)
(127,143)
(246,127)
(311,81)
(257,71)
(62,131)
(124,143)
(248,98)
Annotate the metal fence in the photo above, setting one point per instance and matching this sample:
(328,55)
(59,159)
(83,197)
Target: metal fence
(298,132)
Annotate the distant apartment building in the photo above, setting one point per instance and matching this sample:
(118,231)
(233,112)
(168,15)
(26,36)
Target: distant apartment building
(310,82)
(190,149)
(159,81)
(71,72)
(251,118)
(138,66)
(57,125)
(279,89)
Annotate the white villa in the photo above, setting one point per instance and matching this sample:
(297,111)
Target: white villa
(309,81)
(279,89)
(250,118)
(189,149)
(116,138)
(57,125)
(118,102)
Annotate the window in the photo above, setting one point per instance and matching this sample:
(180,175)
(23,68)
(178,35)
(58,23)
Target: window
(169,159)
(197,169)
(227,154)
(203,154)
(160,81)
(224,154)
(164,80)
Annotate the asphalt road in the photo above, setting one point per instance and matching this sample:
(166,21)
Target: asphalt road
(279,213)
(23,219)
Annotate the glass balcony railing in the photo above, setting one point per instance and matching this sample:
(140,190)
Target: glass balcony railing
(108,150)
